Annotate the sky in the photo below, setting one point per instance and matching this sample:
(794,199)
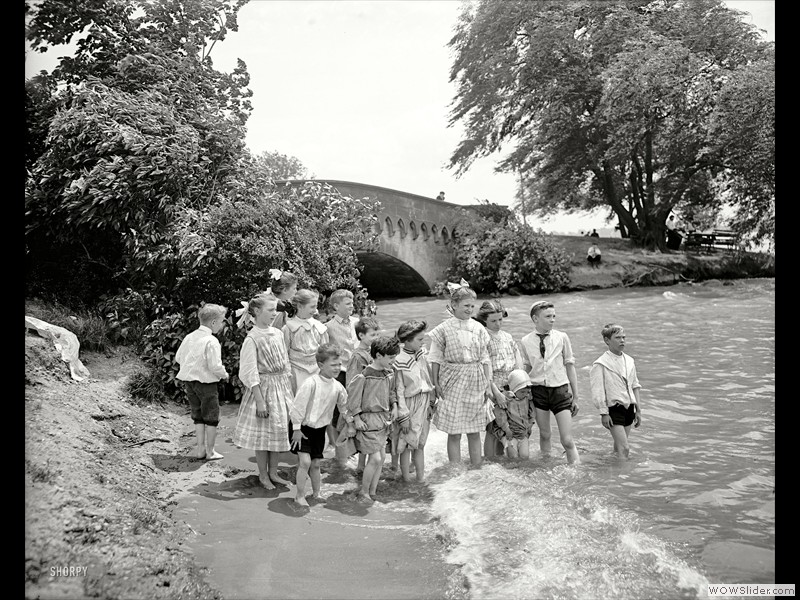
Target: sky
(359,90)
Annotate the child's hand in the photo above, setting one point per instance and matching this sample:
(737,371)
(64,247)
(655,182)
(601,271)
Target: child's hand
(405,423)
(607,422)
(574,409)
(360,425)
(351,430)
(297,437)
(395,412)
(637,420)
(262,411)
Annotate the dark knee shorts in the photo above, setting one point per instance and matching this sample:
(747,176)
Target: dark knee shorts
(204,402)
(554,399)
(313,443)
(621,415)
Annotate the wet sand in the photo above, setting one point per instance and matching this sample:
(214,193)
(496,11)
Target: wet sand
(258,543)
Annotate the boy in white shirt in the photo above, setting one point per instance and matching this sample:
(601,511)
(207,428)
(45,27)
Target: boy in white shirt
(200,358)
(615,389)
(312,412)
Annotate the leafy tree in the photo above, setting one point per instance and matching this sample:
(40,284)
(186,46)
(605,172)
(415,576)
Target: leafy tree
(141,127)
(748,152)
(276,166)
(605,103)
(497,213)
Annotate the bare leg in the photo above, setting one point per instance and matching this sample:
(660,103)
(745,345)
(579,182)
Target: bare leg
(200,434)
(369,470)
(303,465)
(620,435)
(273,459)
(373,486)
(211,439)
(523,447)
(474,445)
(314,475)
(331,432)
(454,447)
(490,446)
(564,421)
(512,449)
(362,462)
(405,463)
(419,463)
(262,458)
(341,456)
(543,420)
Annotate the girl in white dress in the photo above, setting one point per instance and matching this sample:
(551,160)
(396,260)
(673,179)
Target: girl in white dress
(303,334)
(263,421)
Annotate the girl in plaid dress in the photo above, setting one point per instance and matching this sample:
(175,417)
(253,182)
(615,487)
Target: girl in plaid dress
(303,334)
(263,421)
(461,374)
(505,357)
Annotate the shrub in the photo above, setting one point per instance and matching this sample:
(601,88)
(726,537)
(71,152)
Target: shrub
(497,258)
(92,331)
(146,384)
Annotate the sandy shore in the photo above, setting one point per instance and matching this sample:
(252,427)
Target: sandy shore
(256,543)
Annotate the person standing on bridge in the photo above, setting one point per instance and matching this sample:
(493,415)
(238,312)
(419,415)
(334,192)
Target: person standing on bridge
(461,373)
(440,196)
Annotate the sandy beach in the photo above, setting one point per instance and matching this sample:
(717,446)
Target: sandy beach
(257,543)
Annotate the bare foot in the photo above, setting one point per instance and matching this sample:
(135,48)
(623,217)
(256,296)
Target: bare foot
(319,498)
(266,482)
(301,501)
(277,479)
(214,455)
(363,498)
(199,453)
(407,478)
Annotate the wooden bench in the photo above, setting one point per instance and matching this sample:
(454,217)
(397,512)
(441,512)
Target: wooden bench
(722,239)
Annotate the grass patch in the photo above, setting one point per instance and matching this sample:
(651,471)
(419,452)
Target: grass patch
(91,330)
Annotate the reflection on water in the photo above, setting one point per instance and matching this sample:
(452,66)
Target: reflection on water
(695,504)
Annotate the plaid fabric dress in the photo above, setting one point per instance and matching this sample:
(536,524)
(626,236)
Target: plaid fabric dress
(505,356)
(461,348)
(263,361)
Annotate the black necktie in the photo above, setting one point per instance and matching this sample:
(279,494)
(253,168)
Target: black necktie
(541,342)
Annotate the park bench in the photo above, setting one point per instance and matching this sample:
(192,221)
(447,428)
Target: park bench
(722,239)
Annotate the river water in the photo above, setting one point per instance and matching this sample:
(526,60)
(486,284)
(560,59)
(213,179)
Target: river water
(694,504)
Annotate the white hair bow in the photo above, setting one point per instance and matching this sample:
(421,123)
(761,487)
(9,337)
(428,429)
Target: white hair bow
(244,315)
(452,287)
(275,274)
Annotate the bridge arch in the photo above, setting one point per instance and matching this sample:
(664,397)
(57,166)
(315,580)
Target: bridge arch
(403,265)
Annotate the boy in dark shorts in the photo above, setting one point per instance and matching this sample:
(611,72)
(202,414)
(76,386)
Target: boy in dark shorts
(200,358)
(311,413)
(615,389)
(547,356)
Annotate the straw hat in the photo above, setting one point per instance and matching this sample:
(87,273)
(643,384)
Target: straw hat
(518,379)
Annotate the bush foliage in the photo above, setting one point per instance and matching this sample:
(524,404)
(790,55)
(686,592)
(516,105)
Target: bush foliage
(509,256)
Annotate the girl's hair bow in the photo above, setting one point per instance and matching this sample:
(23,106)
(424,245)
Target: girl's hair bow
(275,274)
(452,287)
(244,315)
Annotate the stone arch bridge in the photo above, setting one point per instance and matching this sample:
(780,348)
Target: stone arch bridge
(415,245)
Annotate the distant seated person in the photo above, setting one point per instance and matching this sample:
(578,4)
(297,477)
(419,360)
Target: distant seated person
(594,233)
(440,196)
(673,236)
(593,256)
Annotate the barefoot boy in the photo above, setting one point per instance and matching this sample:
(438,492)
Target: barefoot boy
(200,358)
(342,332)
(547,356)
(312,411)
(615,389)
(372,401)
(367,331)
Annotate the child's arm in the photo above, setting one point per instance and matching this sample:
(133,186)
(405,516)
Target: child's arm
(637,418)
(402,412)
(598,386)
(213,354)
(569,363)
(435,358)
(299,409)
(248,375)
(519,363)
(355,393)
(526,360)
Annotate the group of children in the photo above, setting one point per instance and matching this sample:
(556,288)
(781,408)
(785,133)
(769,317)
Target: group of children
(309,384)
